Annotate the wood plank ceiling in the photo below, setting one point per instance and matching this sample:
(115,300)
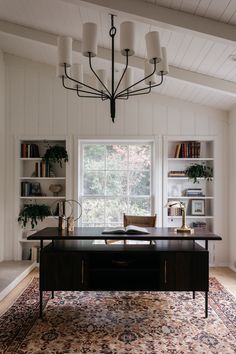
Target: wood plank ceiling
(188,51)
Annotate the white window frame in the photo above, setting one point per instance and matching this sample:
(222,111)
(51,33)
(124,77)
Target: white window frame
(156,166)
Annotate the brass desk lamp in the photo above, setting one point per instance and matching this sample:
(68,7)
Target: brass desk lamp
(181,205)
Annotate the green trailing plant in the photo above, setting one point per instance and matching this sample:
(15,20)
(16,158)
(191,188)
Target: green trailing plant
(56,153)
(199,171)
(33,213)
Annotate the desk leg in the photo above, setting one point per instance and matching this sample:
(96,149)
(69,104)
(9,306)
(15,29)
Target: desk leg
(40,291)
(40,304)
(193,294)
(52,294)
(206,304)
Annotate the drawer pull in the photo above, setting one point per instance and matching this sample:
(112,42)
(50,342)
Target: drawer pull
(122,263)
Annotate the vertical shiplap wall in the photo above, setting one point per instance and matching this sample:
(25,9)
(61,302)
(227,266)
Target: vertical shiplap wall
(2,153)
(232,195)
(38,105)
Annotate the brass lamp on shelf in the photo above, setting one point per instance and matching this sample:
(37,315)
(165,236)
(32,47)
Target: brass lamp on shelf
(181,205)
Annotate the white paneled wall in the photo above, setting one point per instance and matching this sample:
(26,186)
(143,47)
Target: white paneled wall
(38,105)
(2,152)
(232,188)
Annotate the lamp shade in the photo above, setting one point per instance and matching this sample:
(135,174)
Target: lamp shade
(153,47)
(64,47)
(102,74)
(89,42)
(128,79)
(77,73)
(127,39)
(163,65)
(148,69)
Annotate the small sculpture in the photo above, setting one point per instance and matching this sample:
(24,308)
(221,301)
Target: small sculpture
(55,189)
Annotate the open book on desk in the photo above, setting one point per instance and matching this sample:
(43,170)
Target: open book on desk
(129,230)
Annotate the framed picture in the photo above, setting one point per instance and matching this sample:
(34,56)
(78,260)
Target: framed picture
(198,207)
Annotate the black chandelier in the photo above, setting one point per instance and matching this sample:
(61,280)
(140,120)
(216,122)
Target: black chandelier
(72,75)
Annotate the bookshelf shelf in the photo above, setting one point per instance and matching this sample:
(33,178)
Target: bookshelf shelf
(190,159)
(42,178)
(35,184)
(44,197)
(190,197)
(179,154)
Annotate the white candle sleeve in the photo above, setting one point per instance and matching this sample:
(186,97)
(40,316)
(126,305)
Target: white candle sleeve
(153,47)
(64,47)
(127,39)
(128,79)
(163,65)
(89,42)
(148,69)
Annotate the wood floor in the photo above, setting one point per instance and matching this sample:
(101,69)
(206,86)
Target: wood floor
(225,276)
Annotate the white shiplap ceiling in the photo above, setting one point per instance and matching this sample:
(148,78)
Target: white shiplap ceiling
(201,70)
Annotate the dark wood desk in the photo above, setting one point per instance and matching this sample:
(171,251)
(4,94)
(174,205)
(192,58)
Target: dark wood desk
(73,261)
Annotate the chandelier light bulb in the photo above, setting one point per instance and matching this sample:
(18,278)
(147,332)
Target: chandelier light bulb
(148,69)
(163,65)
(127,39)
(128,78)
(64,47)
(89,42)
(153,47)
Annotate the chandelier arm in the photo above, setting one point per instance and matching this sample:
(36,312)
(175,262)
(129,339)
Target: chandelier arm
(103,97)
(138,82)
(133,93)
(80,83)
(126,66)
(94,72)
(98,95)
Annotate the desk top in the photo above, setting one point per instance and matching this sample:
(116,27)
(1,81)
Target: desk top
(95,233)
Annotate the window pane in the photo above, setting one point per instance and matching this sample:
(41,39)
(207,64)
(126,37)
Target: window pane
(94,183)
(93,211)
(139,157)
(139,206)
(94,157)
(117,157)
(139,183)
(116,183)
(115,208)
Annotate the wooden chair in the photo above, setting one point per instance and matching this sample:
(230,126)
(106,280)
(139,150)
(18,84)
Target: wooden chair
(142,221)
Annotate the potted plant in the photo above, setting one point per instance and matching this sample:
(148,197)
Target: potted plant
(56,153)
(33,213)
(197,171)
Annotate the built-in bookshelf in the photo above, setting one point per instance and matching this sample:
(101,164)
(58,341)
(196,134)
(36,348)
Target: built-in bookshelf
(38,182)
(179,153)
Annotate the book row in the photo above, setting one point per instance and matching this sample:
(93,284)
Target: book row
(29,150)
(42,169)
(190,149)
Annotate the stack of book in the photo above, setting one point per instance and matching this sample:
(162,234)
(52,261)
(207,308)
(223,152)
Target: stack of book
(190,149)
(176,174)
(194,192)
(199,225)
(26,189)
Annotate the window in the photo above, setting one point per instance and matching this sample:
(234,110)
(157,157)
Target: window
(115,179)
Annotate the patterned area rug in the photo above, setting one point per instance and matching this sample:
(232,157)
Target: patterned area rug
(120,323)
